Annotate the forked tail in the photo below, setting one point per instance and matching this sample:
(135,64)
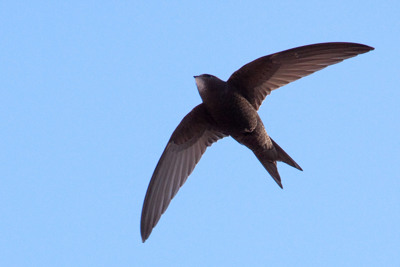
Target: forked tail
(268,160)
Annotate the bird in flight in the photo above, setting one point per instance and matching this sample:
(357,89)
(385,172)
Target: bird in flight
(230,109)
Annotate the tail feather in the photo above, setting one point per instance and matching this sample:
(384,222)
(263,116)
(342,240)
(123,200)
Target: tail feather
(268,159)
(284,157)
(270,166)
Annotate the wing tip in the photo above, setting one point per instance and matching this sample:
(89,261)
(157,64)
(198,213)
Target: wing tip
(145,235)
(364,48)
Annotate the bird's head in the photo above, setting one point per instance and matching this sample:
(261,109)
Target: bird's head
(209,85)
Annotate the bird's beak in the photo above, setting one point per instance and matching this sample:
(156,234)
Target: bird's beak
(195,76)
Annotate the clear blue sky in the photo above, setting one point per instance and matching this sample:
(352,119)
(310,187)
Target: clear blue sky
(92,90)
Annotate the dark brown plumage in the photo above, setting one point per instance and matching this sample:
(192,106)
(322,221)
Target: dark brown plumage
(230,109)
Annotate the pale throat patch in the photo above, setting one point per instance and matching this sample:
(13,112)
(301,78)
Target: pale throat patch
(201,86)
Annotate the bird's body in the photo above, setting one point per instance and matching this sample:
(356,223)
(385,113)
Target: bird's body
(233,115)
(230,109)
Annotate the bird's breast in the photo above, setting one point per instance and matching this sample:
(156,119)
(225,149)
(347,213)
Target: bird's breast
(234,114)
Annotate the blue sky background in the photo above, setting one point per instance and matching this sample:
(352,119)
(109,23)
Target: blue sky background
(92,90)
